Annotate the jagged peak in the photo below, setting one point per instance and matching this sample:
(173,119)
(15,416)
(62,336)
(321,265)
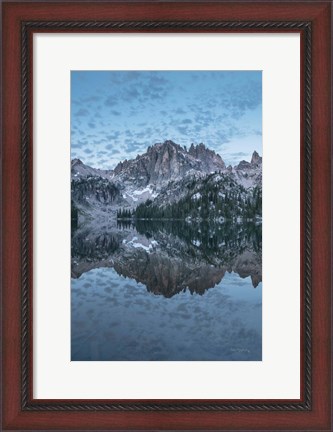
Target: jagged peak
(76,161)
(200,148)
(243,164)
(170,142)
(193,150)
(256,158)
(165,144)
(255,161)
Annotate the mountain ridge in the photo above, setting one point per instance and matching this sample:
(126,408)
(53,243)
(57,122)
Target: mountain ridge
(209,160)
(162,173)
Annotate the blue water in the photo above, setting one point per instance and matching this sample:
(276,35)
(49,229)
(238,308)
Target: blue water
(116,318)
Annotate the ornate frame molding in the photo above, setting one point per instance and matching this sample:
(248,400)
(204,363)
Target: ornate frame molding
(29,27)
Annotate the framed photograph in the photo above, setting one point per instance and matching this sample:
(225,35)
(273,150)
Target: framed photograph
(166,172)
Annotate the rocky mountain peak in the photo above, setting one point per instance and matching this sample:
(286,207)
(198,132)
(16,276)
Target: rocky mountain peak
(245,165)
(81,170)
(165,146)
(167,161)
(171,143)
(75,162)
(256,159)
(207,156)
(122,166)
(198,149)
(249,173)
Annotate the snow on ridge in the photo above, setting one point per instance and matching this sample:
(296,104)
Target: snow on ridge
(138,192)
(141,194)
(196,196)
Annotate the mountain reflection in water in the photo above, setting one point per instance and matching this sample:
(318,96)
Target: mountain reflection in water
(166,290)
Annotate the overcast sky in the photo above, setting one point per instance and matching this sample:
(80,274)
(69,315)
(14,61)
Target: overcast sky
(116,115)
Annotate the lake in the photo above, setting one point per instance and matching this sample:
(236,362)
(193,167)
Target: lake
(166,291)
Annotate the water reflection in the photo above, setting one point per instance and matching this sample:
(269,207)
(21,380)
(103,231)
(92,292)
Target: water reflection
(170,256)
(167,290)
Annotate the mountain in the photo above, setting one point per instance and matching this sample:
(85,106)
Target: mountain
(217,196)
(165,174)
(256,159)
(168,161)
(161,163)
(249,174)
(80,170)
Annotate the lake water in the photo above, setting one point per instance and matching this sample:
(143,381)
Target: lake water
(166,291)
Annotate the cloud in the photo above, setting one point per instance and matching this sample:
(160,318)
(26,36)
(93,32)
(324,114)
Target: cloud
(113,136)
(115,151)
(129,94)
(155,95)
(183,130)
(99,141)
(102,153)
(239,154)
(222,137)
(82,112)
(156,80)
(111,101)
(76,145)
(124,77)
(112,148)
(92,98)
(80,143)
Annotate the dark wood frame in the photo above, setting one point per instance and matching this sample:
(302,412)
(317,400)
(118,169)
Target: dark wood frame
(312,21)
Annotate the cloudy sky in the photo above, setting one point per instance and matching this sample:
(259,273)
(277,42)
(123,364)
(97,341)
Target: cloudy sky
(116,115)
